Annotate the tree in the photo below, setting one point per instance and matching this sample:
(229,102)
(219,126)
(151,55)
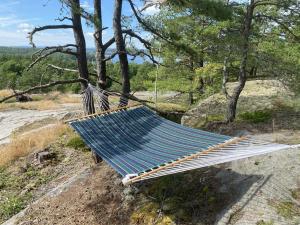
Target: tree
(121,49)
(257,13)
(78,50)
(100,53)
(246,32)
(229,33)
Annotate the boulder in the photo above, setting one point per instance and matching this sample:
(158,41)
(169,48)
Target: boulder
(258,95)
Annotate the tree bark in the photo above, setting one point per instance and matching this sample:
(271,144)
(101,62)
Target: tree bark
(120,45)
(81,54)
(232,104)
(100,54)
(225,77)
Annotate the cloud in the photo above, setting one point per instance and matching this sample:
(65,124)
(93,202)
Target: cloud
(10,20)
(152,10)
(86,5)
(25,27)
(91,34)
(47,38)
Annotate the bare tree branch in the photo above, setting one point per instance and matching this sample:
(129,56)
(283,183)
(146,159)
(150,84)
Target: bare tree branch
(63,19)
(143,53)
(41,51)
(48,27)
(76,71)
(63,69)
(131,33)
(53,50)
(54,83)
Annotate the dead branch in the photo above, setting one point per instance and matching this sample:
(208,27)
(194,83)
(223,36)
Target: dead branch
(53,50)
(143,53)
(76,71)
(41,51)
(131,33)
(63,19)
(48,27)
(54,83)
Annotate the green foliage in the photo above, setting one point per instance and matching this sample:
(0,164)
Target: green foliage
(287,210)
(12,206)
(172,196)
(12,184)
(296,193)
(77,143)
(256,116)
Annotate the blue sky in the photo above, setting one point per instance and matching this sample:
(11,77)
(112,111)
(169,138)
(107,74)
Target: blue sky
(18,17)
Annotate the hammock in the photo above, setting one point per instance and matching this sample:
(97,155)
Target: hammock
(141,145)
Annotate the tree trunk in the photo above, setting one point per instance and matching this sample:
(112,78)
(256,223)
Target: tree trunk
(231,114)
(100,55)
(225,77)
(120,45)
(81,55)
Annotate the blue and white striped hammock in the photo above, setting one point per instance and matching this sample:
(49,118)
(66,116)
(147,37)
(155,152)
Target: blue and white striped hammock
(141,145)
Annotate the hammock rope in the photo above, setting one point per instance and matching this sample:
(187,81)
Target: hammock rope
(140,145)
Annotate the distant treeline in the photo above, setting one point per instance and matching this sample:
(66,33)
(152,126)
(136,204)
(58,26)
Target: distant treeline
(14,62)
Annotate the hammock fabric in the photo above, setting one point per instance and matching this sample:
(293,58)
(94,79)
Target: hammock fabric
(141,145)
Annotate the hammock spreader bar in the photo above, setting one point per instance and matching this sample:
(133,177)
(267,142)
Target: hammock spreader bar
(141,145)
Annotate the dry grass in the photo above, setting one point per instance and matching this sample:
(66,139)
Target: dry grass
(23,145)
(170,107)
(48,101)
(37,105)
(67,98)
(5,92)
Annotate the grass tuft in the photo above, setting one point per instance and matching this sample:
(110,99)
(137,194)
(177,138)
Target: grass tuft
(256,117)
(77,143)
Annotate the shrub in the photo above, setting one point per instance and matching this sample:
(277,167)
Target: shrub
(77,143)
(256,116)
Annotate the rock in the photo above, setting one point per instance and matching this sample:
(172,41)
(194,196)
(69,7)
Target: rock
(257,95)
(130,190)
(45,155)
(23,98)
(118,182)
(129,198)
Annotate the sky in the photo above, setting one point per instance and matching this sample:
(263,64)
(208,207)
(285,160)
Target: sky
(18,17)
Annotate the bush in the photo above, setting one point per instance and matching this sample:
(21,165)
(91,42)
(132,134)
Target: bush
(77,143)
(257,116)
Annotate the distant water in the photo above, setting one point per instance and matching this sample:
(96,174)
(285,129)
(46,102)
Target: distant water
(137,60)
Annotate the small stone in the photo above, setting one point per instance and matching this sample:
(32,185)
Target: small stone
(128,191)
(45,155)
(129,198)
